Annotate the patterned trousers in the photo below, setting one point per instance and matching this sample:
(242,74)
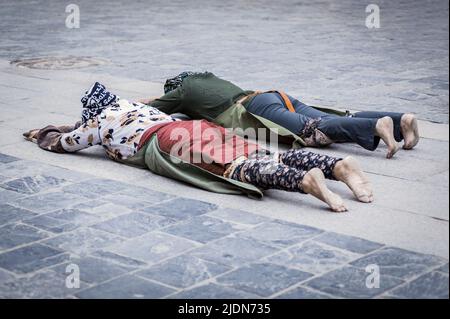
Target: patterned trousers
(285,171)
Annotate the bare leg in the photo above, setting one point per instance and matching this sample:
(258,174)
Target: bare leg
(385,130)
(349,172)
(410,131)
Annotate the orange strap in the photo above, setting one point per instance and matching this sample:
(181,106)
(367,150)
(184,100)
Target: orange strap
(286,100)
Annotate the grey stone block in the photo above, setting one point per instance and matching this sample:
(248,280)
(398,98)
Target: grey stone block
(181,208)
(153,247)
(263,279)
(313,257)
(90,204)
(127,201)
(302,293)
(13,235)
(443,269)
(7,158)
(350,282)
(281,234)
(50,224)
(126,287)
(350,243)
(62,221)
(234,251)
(433,285)
(133,225)
(398,262)
(213,291)
(202,229)
(7,196)
(30,258)
(42,285)
(48,202)
(94,188)
(93,270)
(24,168)
(5,277)
(32,184)
(118,259)
(83,240)
(10,214)
(106,210)
(183,271)
(238,216)
(74,216)
(145,194)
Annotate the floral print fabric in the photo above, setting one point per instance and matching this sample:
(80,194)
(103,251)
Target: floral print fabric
(305,160)
(286,173)
(267,174)
(118,128)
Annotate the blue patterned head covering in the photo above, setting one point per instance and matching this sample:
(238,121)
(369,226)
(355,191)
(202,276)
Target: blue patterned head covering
(95,100)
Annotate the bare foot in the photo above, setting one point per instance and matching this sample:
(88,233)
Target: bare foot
(314,184)
(410,131)
(349,172)
(385,130)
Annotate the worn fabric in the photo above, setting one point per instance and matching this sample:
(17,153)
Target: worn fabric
(310,122)
(206,96)
(305,160)
(175,82)
(150,156)
(285,171)
(395,116)
(200,96)
(266,174)
(95,100)
(203,144)
(117,126)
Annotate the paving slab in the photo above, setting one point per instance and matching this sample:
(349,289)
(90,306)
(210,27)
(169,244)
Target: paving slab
(126,287)
(57,208)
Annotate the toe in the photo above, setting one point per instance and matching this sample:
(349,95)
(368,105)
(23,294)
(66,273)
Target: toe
(364,199)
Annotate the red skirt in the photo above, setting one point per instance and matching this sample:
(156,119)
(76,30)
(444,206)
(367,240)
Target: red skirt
(201,143)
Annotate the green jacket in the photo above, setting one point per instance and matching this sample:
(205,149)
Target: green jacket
(150,156)
(205,96)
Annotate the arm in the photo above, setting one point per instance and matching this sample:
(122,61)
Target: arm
(149,100)
(65,138)
(169,103)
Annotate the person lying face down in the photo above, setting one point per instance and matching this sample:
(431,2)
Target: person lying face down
(206,96)
(136,134)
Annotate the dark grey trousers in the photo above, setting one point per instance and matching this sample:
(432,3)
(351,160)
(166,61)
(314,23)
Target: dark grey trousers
(358,128)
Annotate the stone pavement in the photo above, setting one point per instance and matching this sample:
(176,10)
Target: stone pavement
(132,242)
(130,232)
(320,51)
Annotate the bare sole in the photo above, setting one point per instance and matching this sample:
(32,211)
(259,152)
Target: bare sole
(349,172)
(385,130)
(410,131)
(314,184)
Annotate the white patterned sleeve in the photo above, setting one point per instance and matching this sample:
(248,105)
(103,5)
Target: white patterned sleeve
(85,136)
